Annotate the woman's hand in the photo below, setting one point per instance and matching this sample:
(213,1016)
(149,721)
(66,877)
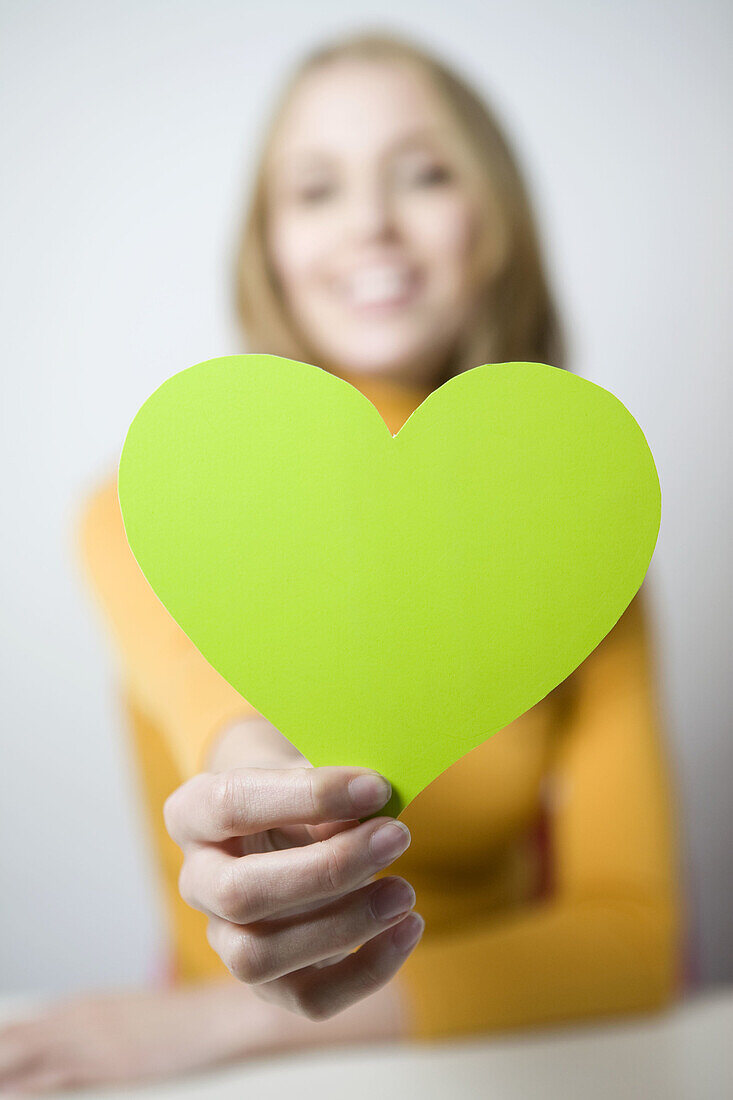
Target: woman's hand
(93,1040)
(278,861)
(134,1036)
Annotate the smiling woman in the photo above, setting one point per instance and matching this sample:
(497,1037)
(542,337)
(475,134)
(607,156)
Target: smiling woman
(390,232)
(390,240)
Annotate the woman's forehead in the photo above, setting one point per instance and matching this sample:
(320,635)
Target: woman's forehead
(357,108)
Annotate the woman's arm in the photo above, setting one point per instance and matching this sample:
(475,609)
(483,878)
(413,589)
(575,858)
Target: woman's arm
(166,676)
(607,941)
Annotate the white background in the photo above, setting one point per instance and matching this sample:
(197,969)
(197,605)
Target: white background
(128,135)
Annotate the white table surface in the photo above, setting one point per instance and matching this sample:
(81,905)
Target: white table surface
(683,1054)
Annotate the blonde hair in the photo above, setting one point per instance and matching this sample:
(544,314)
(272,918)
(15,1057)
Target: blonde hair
(515,317)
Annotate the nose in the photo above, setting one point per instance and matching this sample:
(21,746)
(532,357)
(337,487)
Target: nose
(370,213)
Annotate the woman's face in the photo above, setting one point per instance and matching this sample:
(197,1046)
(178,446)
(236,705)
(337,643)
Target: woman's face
(370,227)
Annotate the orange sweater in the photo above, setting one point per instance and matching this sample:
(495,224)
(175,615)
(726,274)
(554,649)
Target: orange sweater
(544,861)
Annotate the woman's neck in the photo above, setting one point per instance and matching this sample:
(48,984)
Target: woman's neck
(376,386)
(394,400)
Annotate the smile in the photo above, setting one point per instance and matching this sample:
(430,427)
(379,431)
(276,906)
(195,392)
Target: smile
(382,286)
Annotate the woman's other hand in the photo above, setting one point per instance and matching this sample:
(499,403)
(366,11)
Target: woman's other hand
(278,861)
(134,1036)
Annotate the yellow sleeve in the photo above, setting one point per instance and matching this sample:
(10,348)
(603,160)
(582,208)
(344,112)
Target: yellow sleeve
(164,673)
(607,939)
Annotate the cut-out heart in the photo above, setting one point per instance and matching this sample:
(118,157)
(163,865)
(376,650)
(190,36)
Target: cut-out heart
(389,601)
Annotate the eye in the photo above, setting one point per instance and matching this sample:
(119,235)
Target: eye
(422,171)
(311,194)
(431,175)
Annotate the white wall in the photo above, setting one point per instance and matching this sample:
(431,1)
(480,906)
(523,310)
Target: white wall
(130,128)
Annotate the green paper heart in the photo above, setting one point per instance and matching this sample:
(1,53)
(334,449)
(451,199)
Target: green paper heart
(389,601)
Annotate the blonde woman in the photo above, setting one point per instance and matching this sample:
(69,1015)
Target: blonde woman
(390,240)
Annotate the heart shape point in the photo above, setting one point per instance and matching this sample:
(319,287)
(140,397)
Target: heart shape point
(389,601)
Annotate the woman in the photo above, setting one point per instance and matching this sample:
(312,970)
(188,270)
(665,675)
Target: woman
(390,241)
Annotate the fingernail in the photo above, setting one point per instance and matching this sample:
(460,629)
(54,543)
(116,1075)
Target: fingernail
(408,932)
(369,792)
(389,841)
(396,896)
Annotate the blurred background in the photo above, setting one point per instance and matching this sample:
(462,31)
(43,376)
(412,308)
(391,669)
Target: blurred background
(128,132)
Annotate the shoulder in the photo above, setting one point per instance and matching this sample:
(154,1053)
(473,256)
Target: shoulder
(99,521)
(632,625)
(623,656)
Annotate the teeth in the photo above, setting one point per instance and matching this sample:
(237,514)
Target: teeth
(375,285)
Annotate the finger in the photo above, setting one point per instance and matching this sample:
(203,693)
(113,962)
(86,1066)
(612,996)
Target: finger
(261,952)
(264,885)
(319,993)
(214,806)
